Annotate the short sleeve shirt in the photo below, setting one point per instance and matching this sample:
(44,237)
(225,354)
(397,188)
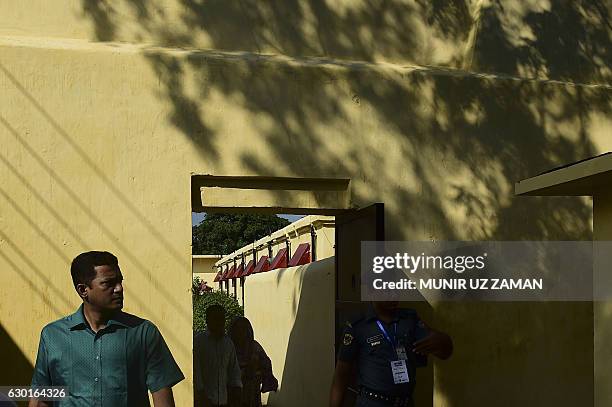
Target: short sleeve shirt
(114,367)
(365,344)
(216,366)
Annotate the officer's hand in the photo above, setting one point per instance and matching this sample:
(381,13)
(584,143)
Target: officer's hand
(437,343)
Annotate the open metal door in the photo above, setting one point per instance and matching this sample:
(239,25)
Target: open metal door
(353,227)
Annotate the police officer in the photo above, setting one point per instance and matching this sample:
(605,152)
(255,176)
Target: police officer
(385,347)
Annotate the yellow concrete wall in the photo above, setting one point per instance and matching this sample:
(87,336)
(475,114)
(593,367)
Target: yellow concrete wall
(98,141)
(202,266)
(347,29)
(240,291)
(602,215)
(67,188)
(545,39)
(292,312)
(602,310)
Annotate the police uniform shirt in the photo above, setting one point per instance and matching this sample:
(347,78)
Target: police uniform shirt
(364,343)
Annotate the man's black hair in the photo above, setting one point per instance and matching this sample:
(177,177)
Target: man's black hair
(214,308)
(83,266)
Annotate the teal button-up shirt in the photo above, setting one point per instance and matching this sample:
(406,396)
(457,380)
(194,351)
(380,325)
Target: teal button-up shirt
(113,367)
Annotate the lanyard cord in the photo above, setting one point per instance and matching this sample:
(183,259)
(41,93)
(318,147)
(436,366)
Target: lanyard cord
(387,337)
(394,343)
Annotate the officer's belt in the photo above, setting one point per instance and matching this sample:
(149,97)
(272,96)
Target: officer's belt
(394,401)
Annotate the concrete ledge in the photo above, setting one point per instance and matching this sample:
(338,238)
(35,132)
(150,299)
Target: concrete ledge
(80,45)
(582,178)
(221,199)
(271,194)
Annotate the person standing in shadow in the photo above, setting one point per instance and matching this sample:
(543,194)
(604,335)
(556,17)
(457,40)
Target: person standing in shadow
(255,365)
(216,370)
(384,348)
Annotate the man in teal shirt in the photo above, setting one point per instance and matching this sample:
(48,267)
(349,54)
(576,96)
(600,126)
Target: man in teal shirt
(104,356)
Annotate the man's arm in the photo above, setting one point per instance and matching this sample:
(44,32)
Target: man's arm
(41,376)
(268,381)
(161,371)
(345,367)
(342,377)
(37,403)
(163,397)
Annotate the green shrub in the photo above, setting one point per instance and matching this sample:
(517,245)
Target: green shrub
(195,285)
(198,285)
(202,301)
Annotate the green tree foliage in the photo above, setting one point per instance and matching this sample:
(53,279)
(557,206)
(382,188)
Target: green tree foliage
(202,301)
(222,233)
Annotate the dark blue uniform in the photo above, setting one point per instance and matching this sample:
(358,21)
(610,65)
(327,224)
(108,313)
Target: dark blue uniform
(365,343)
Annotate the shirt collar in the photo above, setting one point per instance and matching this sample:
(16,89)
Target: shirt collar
(118,319)
(77,320)
(212,338)
(370,314)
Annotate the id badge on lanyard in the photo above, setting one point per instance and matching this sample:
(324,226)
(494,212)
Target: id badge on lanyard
(400,371)
(398,367)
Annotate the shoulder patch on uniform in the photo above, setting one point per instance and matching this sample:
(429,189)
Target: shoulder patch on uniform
(348,339)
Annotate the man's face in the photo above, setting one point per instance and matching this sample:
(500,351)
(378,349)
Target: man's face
(386,306)
(215,321)
(106,290)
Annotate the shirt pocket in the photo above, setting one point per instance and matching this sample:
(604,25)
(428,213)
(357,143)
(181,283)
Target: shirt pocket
(114,362)
(59,369)
(377,350)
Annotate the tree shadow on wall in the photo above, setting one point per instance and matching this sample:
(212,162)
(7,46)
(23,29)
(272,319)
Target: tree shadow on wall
(563,41)
(442,148)
(495,129)
(361,31)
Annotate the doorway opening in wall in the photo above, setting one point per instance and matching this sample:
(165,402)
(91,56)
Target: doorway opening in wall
(271,247)
(243,241)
